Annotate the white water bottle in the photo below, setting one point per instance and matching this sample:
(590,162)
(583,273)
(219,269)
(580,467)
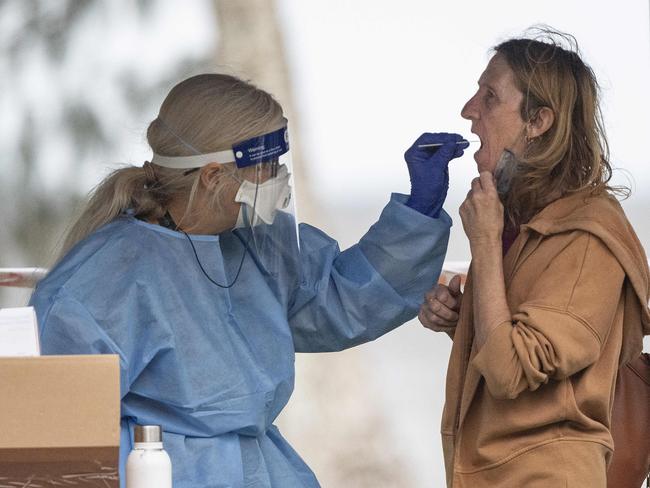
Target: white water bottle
(148,465)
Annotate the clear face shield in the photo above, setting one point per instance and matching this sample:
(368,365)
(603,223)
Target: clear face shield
(267,222)
(266,226)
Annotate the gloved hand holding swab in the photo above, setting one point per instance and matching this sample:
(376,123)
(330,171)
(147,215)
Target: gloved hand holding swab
(428,170)
(438,144)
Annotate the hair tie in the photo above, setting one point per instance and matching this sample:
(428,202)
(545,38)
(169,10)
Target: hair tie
(150,178)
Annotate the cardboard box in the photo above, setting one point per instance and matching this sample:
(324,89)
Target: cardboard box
(59,421)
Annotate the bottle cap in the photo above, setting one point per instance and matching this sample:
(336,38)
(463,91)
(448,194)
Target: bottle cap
(148,433)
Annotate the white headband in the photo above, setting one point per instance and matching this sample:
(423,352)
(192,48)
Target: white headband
(199,160)
(187,162)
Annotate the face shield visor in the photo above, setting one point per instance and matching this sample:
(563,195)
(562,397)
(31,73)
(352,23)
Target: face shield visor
(266,225)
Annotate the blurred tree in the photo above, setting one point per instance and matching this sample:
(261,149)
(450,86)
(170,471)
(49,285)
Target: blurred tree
(251,45)
(67,98)
(32,217)
(345,450)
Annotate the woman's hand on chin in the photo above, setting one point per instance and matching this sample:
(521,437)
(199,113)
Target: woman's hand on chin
(482,212)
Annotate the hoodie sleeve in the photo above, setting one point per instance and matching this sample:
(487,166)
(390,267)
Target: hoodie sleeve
(562,325)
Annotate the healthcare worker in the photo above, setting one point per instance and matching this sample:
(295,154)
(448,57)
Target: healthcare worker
(192,269)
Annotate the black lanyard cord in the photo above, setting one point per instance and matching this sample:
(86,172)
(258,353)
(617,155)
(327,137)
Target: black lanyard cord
(241,264)
(168,222)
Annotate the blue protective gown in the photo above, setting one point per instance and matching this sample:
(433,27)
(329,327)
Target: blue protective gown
(215,366)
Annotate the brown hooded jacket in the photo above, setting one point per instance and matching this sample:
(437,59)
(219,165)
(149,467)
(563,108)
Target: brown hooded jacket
(532,407)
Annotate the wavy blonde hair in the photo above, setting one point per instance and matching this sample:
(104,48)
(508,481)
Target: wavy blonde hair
(207,112)
(573,154)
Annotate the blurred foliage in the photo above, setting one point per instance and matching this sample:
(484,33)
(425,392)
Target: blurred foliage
(36,39)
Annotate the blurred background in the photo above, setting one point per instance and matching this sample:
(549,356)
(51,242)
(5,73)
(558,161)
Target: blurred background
(81,79)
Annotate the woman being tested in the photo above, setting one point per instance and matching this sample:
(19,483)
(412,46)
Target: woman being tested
(192,270)
(557,292)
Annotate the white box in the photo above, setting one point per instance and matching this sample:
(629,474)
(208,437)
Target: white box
(18,332)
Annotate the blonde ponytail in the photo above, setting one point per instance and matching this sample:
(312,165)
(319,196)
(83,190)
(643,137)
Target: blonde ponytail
(125,188)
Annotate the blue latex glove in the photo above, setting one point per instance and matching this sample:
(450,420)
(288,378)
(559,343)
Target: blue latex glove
(428,170)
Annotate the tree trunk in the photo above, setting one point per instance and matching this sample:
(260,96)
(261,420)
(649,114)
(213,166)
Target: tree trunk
(331,418)
(251,46)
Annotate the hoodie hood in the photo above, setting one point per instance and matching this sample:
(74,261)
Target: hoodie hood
(604,217)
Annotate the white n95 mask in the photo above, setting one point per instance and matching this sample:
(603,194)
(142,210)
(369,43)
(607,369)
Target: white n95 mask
(261,201)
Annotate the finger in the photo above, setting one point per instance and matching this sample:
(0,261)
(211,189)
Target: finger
(445,298)
(476,185)
(447,145)
(447,315)
(454,286)
(441,310)
(446,152)
(433,292)
(432,304)
(458,152)
(487,181)
(438,138)
(426,318)
(460,148)
(439,325)
(425,138)
(433,322)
